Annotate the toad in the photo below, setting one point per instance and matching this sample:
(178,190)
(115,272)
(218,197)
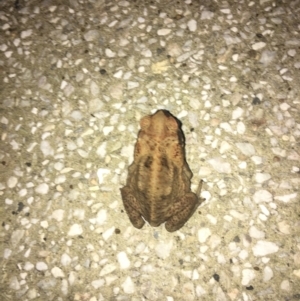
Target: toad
(158,183)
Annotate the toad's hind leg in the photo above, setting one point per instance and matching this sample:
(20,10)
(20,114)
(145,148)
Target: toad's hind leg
(183,209)
(132,208)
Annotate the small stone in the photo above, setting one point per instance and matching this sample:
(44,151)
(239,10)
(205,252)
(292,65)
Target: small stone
(297,273)
(28,266)
(41,266)
(123,260)
(102,173)
(286,198)
(240,128)
(292,52)
(91,35)
(12,182)
(46,148)
(96,284)
(237,113)
(258,46)
(284,227)
(267,57)
(16,236)
(263,248)
(247,149)
(58,215)
(163,31)
(248,276)
(109,53)
(163,249)
(262,177)
(255,233)
(267,274)
(285,285)
(65,259)
(192,25)
(107,269)
(57,272)
(220,165)
(225,146)
(14,283)
(203,234)
(42,188)
(206,15)
(75,230)
(32,294)
(101,217)
(26,33)
(262,196)
(128,286)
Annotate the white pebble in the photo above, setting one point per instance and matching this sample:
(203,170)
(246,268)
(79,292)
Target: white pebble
(123,260)
(32,294)
(108,233)
(258,45)
(102,173)
(286,198)
(96,284)
(292,52)
(296,273)
(76,115)
(203,234)
(255,233)
(44,224)
(267,274)
(57,272)
(46,148)
(75,229)
(109,53)
(14,283)
(7,253)
(262,196)
(248,276)
(262,177)
(16,236)
(91,35)
(237,113)
(65,259)
(28,266)
(58,214)
(107,129)
(128,286)
(12,182)
(163,249)
(42,188)
(225,146)
(240,127)
(284,106)
(107,269)
(26,33)
(220,165)
(285,285)
(246,148)
(263,248)
(41,266)
(101,217)
(206,15)
(257,160)
(163,31)
(192,25)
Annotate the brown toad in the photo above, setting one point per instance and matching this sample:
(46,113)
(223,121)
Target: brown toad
(159,179)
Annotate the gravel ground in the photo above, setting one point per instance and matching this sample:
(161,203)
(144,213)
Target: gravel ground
(75,80)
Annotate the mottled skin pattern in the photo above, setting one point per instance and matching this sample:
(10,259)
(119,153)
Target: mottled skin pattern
(159,179)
